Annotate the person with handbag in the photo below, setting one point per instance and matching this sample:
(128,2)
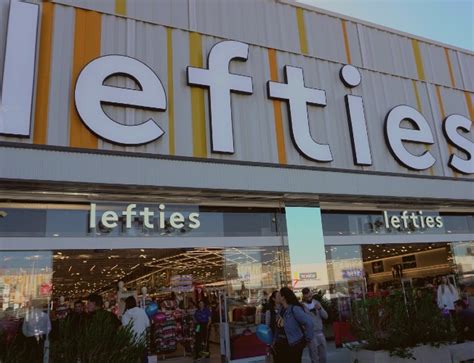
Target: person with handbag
(295,328)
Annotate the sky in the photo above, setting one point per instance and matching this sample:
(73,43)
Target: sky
(446,21)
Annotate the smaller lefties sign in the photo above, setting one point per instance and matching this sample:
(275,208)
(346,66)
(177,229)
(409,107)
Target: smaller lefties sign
(408,219)
(150,218)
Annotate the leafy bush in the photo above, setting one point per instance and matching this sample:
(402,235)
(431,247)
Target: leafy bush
(97,339)
(395,325)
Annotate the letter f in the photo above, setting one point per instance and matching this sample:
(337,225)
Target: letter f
(221,82)
(19,69)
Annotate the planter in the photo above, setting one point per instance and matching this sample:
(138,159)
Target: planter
(422,354)
(461,352)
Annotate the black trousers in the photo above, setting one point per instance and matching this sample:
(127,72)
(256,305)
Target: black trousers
(285,353)
(200,339)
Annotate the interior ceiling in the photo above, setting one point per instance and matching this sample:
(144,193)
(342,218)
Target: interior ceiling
(381,251)
(77,273)
(72,193)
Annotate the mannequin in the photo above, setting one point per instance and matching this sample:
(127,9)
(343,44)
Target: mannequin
(447,295)
(144,297)
(62,308)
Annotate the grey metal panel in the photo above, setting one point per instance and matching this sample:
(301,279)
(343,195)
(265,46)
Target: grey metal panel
(107,6)
(273,24)
(166,12)
(456,67)
(387,52)
(466,63)
(354,43)
(435,64)
(259,22)
(60,76)
(318,26)
(56,166)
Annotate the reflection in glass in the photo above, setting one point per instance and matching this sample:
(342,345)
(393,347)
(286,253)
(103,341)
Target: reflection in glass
(25,293)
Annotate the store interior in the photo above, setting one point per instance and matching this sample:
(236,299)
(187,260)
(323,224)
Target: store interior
(234,283)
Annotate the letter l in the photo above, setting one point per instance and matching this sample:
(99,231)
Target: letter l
(19,69)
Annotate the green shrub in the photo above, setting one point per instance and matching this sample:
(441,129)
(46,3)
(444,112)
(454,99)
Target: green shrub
(393,324)
(96,339)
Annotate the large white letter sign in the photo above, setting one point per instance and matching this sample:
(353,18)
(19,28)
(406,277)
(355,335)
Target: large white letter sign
(450,127)
(91,93)
(396,135)
(19,69)
(298,96)
(221,82)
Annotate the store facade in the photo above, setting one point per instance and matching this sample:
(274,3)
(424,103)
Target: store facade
(184,150)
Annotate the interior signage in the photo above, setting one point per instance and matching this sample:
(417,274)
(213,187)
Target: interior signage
(408,219)
(150,219)
(91,94)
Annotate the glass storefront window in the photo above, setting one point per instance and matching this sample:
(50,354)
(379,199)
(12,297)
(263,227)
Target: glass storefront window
(346,278)
(25,295)
(339,223)
(464,263)
(233,282)
(75,220)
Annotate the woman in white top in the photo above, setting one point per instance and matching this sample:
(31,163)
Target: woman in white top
(136,317)
(447,295)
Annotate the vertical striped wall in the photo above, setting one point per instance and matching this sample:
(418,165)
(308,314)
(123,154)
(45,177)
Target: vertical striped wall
(436,80)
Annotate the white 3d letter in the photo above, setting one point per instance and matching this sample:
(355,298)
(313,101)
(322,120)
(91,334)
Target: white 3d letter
(19,69)
(450,128)
(298,96)
(396,135)
(91,93)
(221,82)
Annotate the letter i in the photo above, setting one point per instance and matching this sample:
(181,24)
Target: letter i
(351,78)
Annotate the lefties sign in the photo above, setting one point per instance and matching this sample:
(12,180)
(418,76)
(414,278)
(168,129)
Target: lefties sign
(91,94)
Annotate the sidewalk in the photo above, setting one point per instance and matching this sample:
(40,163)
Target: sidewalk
(335,355)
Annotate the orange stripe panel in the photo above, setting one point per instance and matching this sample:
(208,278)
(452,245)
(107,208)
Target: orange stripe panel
(86,48)
(44,71)
(280,137)
(346,42)
(450,68)
(470,106)
(418,59)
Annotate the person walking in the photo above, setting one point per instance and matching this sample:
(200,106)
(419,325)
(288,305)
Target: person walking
(295,328)
(317,346)
(202,320)
(97,313)
(138,321)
